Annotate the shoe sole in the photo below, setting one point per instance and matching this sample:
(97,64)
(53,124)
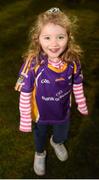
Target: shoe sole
(38,173)
(58,155)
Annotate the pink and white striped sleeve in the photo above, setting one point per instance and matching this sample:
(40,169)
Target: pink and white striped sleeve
(80,98)
(25,112)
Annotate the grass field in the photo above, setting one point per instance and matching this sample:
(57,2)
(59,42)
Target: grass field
(16,148)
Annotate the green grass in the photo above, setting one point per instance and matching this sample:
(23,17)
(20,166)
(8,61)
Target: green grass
(17,149)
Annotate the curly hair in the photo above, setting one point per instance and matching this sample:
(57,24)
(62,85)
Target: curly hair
(72,52)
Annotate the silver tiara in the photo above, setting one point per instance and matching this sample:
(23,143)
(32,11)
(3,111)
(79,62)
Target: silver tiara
(54,10)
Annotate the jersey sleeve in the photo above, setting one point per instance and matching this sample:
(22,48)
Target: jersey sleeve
(78,76)
(78,89)
(26,80)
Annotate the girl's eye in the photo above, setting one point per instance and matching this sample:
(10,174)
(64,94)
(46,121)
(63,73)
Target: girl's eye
(61,37)
(47,37)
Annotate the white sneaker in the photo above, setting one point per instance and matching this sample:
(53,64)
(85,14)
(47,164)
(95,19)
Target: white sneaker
(39,163)
(60,150)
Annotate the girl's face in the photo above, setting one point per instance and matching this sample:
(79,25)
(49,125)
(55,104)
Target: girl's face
(53,40)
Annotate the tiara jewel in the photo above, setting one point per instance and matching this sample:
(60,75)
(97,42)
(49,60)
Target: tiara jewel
(54,10)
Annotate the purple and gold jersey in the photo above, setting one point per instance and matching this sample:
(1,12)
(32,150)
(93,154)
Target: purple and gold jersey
(51,89)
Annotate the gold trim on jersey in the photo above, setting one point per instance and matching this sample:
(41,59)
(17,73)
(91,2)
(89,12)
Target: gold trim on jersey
(63,68)
(35,112)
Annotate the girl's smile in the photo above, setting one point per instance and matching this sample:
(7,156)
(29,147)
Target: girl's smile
(53,40)
(54,50)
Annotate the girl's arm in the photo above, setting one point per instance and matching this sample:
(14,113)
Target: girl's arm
(80,98)
(25,112)
(25,85)
(78,90)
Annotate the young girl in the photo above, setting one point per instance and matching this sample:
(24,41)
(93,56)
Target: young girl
(51,72)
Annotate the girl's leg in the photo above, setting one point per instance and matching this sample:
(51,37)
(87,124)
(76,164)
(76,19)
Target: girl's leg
(40,133)
(60,132)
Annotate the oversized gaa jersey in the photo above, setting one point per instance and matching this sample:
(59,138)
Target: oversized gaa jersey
(51,90)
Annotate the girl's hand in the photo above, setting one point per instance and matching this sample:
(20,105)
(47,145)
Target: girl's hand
(25,130)
(82,108)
